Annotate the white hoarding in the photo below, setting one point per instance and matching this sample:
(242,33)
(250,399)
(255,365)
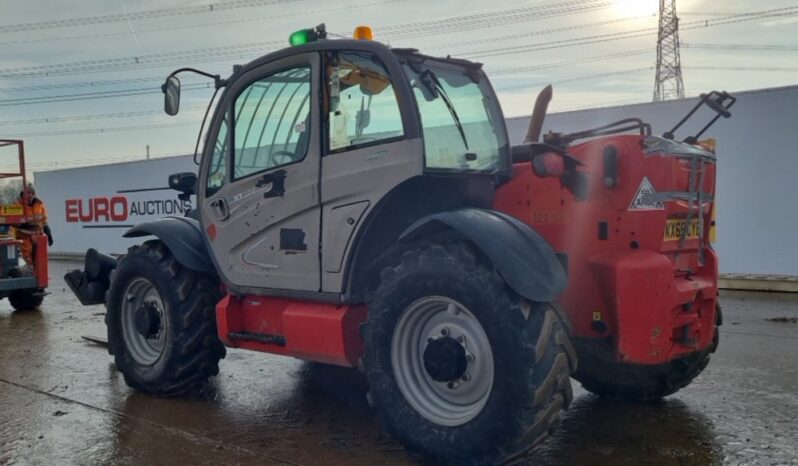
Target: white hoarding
(91,207)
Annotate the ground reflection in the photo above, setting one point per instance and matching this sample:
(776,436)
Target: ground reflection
(601,432)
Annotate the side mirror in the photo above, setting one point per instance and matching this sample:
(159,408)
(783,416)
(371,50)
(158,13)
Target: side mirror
(171,95)
(185,183)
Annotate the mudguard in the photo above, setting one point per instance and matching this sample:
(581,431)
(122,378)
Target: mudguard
(525,260)
(183,236)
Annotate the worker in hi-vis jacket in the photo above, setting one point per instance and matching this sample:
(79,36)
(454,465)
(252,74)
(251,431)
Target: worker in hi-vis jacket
(37,216)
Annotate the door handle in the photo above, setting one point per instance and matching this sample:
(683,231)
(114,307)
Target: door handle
(219,207)
(277,182)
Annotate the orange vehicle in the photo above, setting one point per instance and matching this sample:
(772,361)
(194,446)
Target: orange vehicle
(21,281)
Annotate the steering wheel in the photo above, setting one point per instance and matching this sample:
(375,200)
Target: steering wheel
(286,156)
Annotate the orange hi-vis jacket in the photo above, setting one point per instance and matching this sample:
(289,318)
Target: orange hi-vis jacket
(37,217)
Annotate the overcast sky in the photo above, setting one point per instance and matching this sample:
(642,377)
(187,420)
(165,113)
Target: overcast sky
(69,61)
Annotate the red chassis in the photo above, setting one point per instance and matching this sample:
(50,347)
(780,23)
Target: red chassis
(635,286)
(635,289)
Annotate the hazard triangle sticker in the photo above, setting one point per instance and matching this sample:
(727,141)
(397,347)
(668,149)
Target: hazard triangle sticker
(644,198)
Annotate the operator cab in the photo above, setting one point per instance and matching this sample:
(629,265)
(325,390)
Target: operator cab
(307,143)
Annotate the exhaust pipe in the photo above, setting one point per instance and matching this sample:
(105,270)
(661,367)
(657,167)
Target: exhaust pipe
(539,115)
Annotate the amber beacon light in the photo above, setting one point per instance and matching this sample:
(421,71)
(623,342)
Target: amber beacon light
(363,33)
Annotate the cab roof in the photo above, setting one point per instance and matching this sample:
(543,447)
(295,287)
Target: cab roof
(323,45)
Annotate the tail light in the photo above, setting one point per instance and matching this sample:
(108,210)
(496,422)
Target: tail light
(549,164)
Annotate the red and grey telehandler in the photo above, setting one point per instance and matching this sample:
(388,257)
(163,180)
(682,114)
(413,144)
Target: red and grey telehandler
(362,205)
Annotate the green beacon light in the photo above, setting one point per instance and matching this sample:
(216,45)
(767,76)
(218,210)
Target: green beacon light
(305,36)
(301,37)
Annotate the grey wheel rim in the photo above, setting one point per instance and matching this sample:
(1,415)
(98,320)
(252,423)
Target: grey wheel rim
(450,403)
(145,350)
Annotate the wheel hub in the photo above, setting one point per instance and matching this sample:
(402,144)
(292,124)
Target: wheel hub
(147,320)
(442,360)
(445,359)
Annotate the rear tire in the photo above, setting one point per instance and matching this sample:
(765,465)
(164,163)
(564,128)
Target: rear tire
(26,300)
(626,382)
(530,359)
(161,322)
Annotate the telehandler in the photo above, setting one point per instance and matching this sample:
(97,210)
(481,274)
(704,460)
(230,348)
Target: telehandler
(358,205)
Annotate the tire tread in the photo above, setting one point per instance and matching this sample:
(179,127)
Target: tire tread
(540,392)
(197,347)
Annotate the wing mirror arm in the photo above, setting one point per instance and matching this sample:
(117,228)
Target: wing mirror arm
(171,88)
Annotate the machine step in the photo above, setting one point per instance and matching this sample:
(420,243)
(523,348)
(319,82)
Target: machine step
(266,338)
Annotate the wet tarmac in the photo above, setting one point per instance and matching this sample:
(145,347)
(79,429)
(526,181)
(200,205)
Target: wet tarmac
(62,402)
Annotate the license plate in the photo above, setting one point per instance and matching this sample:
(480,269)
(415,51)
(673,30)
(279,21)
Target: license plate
(675,226)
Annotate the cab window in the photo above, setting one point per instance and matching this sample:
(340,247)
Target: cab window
(363,108)
(460,117)
(272,126)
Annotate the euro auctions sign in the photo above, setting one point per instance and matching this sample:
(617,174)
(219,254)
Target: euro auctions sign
(92,207)
(120,209)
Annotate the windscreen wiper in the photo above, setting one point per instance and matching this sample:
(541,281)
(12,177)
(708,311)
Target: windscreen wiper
(445,97)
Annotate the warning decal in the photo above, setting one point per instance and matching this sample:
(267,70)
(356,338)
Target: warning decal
(644,198)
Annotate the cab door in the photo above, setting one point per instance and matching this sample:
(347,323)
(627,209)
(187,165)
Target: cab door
(258,192)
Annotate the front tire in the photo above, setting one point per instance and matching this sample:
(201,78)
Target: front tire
(460,368)
(161,322)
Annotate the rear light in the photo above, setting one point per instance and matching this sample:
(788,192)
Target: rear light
(549,164)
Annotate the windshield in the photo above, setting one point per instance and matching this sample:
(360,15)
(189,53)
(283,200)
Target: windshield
(460,117)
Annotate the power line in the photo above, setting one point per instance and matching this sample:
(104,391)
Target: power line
(577,61)
(47,87)
(71,163)
(103,116)
(577,78)
(570,42)
(540,33)
(140,61)
(598,38)
(446,25)
(223,53)
(742,68)
(603,104)
(139,15)
(77,118)
(214,24)
(107,130)
(585,40)
(757,47)
(94,95)
(491,19)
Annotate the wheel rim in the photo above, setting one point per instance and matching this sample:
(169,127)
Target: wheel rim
(418,332)
(142,307)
